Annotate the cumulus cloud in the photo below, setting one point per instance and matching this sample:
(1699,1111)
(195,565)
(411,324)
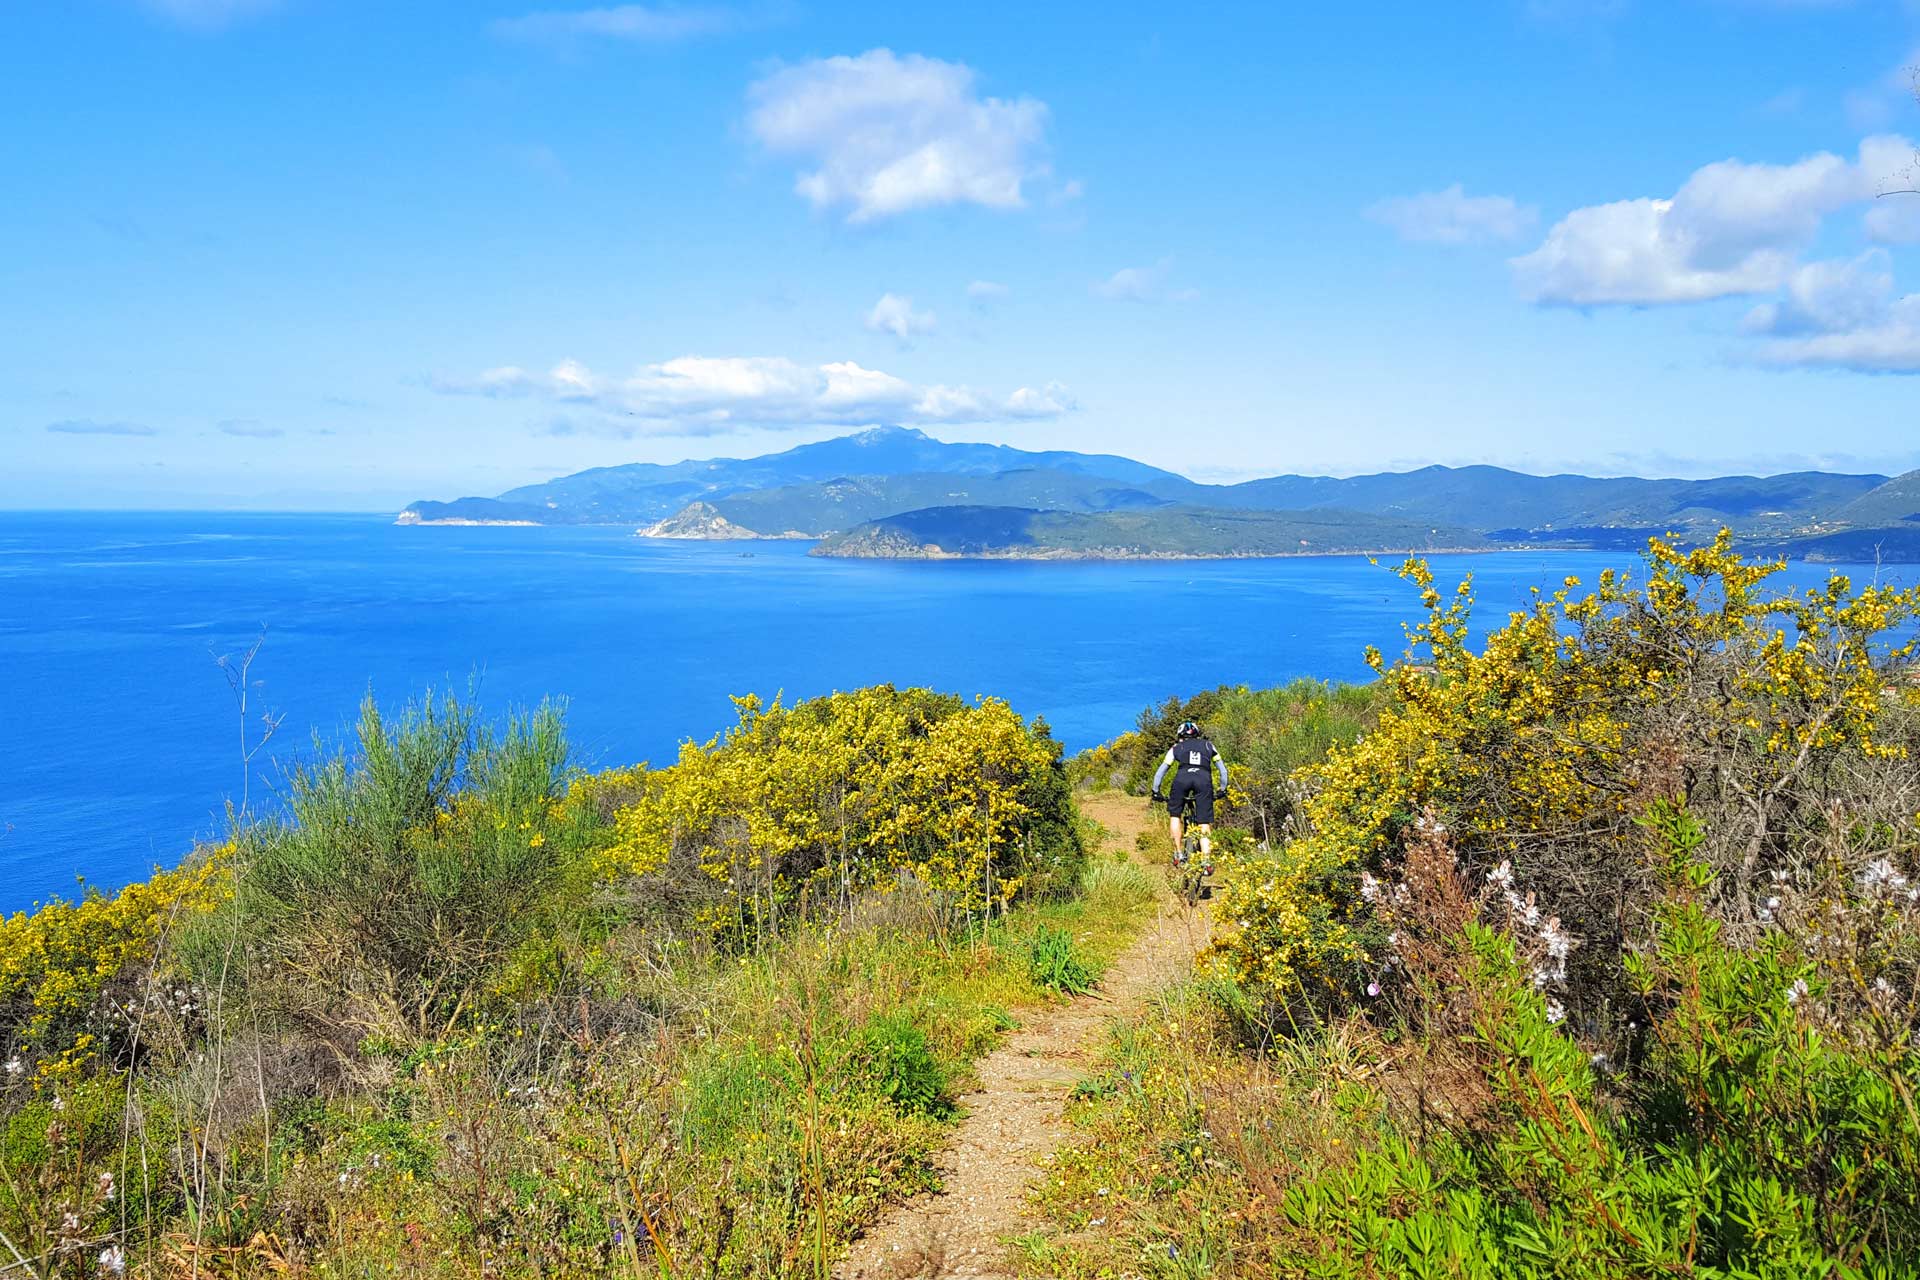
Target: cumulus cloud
(1841,314)
(883,134)
(1451,216)
(1142,284)
(208,15)
(894,314)
(711,395)
(633,23)
(88,427)
(1733,228)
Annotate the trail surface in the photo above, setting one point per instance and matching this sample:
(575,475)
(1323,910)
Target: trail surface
(1018,1113)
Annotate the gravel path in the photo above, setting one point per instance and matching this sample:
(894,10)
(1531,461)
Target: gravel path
(1017,1115)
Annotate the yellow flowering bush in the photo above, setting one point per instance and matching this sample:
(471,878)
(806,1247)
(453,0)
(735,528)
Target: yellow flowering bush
(58,963)
(839,794)
(1767,710)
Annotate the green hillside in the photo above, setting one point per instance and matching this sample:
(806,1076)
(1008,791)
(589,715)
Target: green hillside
(837,485)
(1169,531)
(1893,503)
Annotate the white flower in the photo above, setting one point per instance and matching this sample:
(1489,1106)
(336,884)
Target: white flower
(1797,991)
(59,1103)
(1781,877)
(1556,1012)
(1881,872)
(1369,887)
(113,1260)
(15,1066)
(105,1183)
(1766,916)
(1773,904)
(1501,876)
(1600,1062)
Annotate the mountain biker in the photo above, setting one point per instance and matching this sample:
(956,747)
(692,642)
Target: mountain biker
(1196,758)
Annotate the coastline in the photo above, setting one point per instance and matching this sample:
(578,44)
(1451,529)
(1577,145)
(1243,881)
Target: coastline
(1122,555)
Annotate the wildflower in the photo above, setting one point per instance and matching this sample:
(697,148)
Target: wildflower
(1781,877)
(113,1260)
(1773,904)
(105,1184)
(1797,991)
(15,1066)
(1881,872)
(1373,988)
(59,1103)
(1600,1062)
(1501,877)
(1556,1012)
(1369,887)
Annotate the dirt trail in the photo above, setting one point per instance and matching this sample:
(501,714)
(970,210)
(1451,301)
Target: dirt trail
(1017,1114)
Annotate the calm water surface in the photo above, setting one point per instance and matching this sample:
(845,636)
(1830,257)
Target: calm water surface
(118,735)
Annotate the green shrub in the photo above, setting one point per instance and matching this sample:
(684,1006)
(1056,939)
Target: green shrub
(1054,961)
(407,871)
(891,1056)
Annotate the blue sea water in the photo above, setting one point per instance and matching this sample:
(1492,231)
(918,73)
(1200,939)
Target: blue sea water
(119,740)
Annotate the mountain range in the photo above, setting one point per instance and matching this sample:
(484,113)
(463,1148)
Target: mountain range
(864,487)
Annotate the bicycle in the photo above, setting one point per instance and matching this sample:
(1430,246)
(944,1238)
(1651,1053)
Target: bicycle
(1189,873)
(1189,870)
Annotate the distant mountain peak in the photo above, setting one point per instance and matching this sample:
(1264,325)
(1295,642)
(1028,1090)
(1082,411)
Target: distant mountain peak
(884,435)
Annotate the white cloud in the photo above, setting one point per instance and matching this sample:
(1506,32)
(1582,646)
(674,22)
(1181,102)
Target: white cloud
(247,429)
(894,314)
(209,15)
(986,290)
(886,134)
(1142,284)
(634,23)
(1841,315)
(1451,216)
(89,427)
(707,395)
(1732,228)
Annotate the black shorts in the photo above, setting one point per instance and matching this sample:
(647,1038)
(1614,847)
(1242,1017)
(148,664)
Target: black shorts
(1199,788)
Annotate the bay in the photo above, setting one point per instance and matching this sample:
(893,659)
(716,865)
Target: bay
(119,744)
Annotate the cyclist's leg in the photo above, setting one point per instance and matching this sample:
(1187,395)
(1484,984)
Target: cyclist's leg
(1206,839)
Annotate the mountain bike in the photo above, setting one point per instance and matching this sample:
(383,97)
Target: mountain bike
(1189,870)
(1189,874)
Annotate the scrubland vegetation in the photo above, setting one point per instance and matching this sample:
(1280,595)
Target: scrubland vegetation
(1586,949)
(466,1010)
(1593,956)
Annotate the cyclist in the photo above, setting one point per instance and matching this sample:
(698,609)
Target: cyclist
(1196,759)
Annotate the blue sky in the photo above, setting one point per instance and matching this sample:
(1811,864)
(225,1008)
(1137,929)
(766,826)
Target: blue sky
(330,254)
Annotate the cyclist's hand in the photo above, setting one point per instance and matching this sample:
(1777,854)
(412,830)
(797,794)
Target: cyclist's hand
(1219,795)
(1156,798)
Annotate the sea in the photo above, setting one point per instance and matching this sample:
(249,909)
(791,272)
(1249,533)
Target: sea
(121,744)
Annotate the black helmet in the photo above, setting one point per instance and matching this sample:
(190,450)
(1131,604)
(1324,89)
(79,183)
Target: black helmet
(1188,729)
